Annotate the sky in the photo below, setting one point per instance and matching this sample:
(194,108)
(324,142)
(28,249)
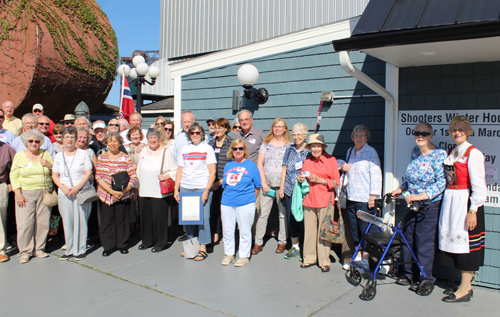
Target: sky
(137,27)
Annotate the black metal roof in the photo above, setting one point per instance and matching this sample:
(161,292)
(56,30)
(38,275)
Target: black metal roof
(400,22)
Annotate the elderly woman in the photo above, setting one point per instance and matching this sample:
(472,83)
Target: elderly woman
(236,126)
(82,143)
(114,226)
(71,172)
(156,164)
(295,155)
(424,183)
(241,183)
(270,162)
(196,173)
(57,132)
(322,174)
(462,212)
(364,183)
(30,177)
(134,149)
(221,144)
(114,126)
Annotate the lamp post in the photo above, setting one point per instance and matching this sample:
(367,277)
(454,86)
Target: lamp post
(138,74)
(248,75)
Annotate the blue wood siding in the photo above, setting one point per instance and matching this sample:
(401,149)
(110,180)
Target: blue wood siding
(294,81)
(455,87)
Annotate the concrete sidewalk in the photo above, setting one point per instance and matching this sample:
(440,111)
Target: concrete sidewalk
(142,284)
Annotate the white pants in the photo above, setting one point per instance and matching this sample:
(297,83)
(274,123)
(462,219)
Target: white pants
(75,217)
(244,216)
(4,202)
(266,204)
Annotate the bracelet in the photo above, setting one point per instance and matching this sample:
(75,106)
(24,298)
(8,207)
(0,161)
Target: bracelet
(176,187)
(472,212)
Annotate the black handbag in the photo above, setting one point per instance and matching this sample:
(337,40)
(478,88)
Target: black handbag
(120,181)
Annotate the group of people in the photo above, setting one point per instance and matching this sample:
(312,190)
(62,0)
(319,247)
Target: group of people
(239,178)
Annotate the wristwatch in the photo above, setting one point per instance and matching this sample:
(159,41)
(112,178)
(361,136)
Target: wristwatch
(472,212)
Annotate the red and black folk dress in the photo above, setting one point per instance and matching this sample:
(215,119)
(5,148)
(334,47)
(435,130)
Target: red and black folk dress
(465,190)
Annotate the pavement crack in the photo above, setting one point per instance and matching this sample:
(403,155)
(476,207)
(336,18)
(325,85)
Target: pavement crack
(330,302)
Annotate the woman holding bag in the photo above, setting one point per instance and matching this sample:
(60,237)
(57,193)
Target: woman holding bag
(112,167)
(71,173)
(322,172)
(156,164)
(30,178)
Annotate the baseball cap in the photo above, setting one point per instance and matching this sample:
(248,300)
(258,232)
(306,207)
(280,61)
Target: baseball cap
(99,125)
(37,106)
(211,119)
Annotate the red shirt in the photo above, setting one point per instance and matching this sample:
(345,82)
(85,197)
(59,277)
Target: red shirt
(327,168)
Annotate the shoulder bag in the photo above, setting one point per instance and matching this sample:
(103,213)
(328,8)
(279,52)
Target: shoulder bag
(166,186)
(86,194)
(343,188)
(331,230)
(49,199)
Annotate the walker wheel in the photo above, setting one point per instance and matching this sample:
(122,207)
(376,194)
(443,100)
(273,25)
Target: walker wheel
(425,288)
(369,291)
(353,276)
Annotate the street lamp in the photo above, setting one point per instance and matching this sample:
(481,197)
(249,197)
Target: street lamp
(138,74)
(248,76)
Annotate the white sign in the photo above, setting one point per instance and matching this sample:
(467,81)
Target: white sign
(486,137)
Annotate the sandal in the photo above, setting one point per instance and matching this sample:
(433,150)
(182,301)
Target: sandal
(182,253)
(306,265)
(202,255)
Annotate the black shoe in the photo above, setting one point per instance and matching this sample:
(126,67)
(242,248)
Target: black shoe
(123,251)
(453,299)
(450,291)
(107,252)
(184,237)
(143,247)
(156,249)
(404,280)
(325,269)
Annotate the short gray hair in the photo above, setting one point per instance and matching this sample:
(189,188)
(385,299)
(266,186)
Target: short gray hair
(188,112)
(300,127)
(32,134)
(79,118)
(111,135)
(243,111)
(153,131)
(28,116)
(361,128)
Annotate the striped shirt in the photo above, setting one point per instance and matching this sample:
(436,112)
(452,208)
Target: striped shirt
(106,168)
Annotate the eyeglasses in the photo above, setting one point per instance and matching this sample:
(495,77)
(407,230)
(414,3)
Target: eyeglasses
(240,148)
(279,126)
(113,125)
(36,141)
(421,133)
(360,136)
(195,132)
(237,127)
(169,129)
(37,110)
(42,123)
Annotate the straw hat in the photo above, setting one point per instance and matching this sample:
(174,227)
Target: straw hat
(316,138)
(68,117)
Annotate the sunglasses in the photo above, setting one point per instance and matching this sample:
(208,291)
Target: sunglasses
(421,133)
(40,123)
(210,124)
(57,133)
(240,148)
(1,117)
(37,110)
(69,123)
(169,129)
(36,141)
(237,127)
(195,132)
(113,125)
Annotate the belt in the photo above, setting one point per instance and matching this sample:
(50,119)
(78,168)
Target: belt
(3,181)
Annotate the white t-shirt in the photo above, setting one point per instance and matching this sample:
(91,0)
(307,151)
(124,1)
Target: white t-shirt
(77,165)
(194,160)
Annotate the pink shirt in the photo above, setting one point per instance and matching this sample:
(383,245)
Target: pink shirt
(325,167)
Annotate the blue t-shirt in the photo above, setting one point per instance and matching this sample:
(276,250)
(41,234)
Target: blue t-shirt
(239,183)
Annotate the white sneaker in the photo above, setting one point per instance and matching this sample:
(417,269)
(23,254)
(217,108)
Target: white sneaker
(346,266)
(241,262)
(228,259)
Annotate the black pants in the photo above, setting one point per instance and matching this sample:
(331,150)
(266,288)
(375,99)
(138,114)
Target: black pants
(215,219)
(114,229)
(420,230)
(293,226)
(154,221)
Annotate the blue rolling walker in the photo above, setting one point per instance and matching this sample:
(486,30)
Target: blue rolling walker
(385,249)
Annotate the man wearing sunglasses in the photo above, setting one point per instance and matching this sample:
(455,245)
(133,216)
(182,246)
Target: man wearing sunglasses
(68,121)
(37,110)
(11,123)
(5,135)
(211,127)
(30,122)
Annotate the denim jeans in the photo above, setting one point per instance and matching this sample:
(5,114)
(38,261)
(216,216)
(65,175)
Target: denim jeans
(200,231)
(358,226)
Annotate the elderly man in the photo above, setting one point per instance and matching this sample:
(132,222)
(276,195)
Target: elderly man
(100,131)
(123,124)
(5,135)
(135,119)
(182,139)
(7,154)
(211,127)
(30,122)
(252,136)
(68,121)
(37,110)
(11,123)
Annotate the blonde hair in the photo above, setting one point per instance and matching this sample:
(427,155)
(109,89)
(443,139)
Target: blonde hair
(233,144)
(464,120)
(270,136)
(163,135)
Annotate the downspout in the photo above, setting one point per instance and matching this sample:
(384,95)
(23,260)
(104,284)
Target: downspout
(390,138)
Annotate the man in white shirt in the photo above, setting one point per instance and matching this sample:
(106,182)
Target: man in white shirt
(135,119)
(30,122)
(5,135)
